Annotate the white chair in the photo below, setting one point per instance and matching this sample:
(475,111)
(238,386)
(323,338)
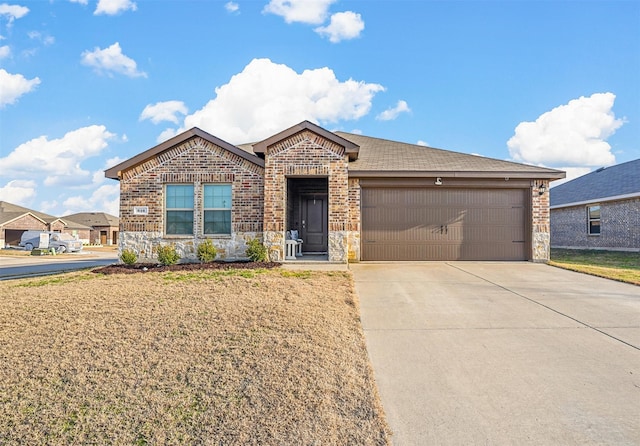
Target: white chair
(293,245)
(290,253)
(295,236)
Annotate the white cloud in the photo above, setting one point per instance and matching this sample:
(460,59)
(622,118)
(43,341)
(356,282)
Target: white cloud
(393,113)
(312,12)
(572,174)
(343,26)
(166,134)
(105,198)
(12,12)
(5,51)
(36,35)
(231,7)
(164,111)
(267,97)
(82,2)
(112,162)
(572,135)
(422,143)
(113,7)
(58,159)
(18,192)
(14,86)
(111,60)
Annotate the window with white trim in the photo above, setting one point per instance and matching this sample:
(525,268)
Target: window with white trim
(593,219)
(217,209)
(179,209)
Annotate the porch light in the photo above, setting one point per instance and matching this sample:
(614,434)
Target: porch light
(542,189)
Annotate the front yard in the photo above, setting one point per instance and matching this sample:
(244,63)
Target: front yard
(196,357)
(616,265)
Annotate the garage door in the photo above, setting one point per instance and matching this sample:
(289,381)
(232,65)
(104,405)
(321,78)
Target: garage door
(443,224)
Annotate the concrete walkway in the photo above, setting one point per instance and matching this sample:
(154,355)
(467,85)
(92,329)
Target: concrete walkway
(502,353)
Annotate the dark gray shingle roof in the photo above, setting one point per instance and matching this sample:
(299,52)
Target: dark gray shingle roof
(93,219)
(622,179)
(10,211)
(382,155)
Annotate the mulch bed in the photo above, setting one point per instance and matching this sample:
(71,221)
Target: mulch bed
(155,267)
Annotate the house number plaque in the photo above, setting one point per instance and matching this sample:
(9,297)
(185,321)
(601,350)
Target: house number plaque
(141,210)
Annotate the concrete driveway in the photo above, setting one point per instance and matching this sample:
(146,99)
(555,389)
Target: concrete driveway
(502,353)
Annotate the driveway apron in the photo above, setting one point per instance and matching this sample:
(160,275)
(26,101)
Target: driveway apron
(502,353)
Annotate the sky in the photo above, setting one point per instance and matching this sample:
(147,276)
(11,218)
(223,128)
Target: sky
(87,84)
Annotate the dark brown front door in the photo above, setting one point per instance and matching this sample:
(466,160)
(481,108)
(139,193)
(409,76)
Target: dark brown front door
(314,223)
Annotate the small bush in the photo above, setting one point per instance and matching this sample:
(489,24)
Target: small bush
(207,252)
(128,257)
(256,251)
(167,255)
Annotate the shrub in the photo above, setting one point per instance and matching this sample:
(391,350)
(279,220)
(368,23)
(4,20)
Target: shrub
(167,255)
(256,251)
(128,257)
(207,252)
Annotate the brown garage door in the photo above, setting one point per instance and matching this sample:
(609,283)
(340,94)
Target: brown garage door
(443,224)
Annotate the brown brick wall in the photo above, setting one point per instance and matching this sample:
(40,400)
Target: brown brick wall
(196,162)
(304,154)
(27,222)
(540,225)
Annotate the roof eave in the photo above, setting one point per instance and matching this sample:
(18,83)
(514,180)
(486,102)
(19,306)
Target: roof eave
(555,175)
(115,172)
(595,200)
(351,149)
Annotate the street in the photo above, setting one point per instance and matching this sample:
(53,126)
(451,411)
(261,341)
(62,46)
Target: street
(16,267)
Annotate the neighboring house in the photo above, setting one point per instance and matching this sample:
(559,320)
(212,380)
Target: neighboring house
(351,197)
(14,220)
(104,227)
(600,210)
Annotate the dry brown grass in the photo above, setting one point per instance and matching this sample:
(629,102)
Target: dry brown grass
(211,357)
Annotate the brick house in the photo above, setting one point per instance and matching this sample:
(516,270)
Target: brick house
(15,219)
(350,197)
(600,210)
(103,227)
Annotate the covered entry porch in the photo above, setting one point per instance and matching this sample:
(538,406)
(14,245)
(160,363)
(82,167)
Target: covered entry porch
(307,217)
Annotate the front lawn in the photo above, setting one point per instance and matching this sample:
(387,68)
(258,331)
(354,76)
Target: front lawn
(616,265)
(197,357)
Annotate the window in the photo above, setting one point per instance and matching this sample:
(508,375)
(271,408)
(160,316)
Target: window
(593,218)
(179,209)
(217,209)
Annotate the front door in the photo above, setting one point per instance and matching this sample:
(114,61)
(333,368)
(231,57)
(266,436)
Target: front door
(314,220)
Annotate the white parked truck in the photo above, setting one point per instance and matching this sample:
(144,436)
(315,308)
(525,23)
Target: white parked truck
(60,241)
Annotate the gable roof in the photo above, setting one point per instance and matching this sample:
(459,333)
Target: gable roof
(10,211)
(93,219)
(368,156)
(115,171)
(605,184)
(350,148)
(382,157)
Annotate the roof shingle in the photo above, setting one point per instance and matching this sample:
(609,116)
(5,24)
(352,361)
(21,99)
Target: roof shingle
(614,181)
(382,155)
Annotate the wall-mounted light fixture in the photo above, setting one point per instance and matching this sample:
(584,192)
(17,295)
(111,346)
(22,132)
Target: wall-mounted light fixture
(438,181)
(542,188)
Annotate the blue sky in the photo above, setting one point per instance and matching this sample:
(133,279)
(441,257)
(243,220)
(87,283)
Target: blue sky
(85,84)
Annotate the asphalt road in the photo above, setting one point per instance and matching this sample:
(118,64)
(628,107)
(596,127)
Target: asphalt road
(19,267)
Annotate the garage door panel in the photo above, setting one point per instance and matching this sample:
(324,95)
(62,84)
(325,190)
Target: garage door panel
(443,224)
